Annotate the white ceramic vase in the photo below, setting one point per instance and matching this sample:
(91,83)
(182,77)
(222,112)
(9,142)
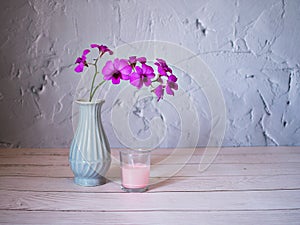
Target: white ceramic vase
(90,156)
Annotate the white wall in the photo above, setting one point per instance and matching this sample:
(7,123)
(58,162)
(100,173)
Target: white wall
(252,47)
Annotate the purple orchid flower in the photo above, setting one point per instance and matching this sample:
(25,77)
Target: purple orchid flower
(142,76)
(82,61)
(102,49)
(159,91)
(122,69)
(162,67)
(133,60)
(171,84)
(116,70)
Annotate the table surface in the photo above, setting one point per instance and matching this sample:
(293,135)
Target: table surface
(244,185)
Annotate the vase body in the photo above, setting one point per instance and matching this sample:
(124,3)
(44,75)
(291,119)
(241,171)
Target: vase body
(90,151)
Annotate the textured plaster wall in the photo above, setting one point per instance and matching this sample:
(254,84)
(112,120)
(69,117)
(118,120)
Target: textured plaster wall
(252,47)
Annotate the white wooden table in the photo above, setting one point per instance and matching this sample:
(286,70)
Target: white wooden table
(252,185)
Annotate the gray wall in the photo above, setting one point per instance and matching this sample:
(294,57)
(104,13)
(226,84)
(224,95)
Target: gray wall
(252,48)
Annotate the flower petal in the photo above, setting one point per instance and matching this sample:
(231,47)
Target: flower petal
(135,76)
(109,68)
(103,48)
(125,76)
(132,59)
(79,67)
(175,86)
(85,52)
(122,63)
(147,81)
(117,64)
(137,82)
(172,78)
(115,80)
(161,61)
(107,77)
(160,80)
(78,60)
(161,71)
(142,60)
(139,70)
(147,69)
(126,70)
(95,46)
(169,90)
(159,91)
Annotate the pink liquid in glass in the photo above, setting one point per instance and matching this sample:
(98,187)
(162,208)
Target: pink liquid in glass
(135,176)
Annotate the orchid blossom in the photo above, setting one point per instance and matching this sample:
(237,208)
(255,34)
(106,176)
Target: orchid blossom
(116,70)
(133,69)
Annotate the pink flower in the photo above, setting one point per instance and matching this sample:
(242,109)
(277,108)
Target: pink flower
(102,49)
(171,84)
(116,70)
(82,61)
(133,60)
(162,67)
(159,91)
(142,76)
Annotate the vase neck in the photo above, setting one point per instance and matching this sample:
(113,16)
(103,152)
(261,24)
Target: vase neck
(90,112)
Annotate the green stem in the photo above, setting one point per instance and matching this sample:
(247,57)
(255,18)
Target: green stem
(93,93)
(155,81)
(94,78)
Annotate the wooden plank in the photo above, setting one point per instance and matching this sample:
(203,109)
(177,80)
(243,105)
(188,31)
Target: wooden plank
(272,217)
(43,160)
(188,184)
(33,151)
(223,150)
(196,158)
(190,170)
(226,155)
(245,158)
(243,186)
(190,201)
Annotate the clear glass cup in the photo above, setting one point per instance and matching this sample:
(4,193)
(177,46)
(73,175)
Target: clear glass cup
(135,168)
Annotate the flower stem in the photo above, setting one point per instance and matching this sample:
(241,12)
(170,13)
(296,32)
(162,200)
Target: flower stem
(93,93)
(94,78)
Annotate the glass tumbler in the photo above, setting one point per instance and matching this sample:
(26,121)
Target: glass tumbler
(135,168)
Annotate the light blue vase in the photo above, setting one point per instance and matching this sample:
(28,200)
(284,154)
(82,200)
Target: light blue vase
(90,151)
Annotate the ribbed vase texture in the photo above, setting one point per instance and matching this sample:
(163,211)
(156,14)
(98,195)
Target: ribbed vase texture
(90,151)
